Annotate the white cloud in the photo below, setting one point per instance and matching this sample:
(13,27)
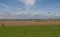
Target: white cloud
(28,3)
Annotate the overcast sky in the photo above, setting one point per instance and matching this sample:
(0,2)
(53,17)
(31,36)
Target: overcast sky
(35,7)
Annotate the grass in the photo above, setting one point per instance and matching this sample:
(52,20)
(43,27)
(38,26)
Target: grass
(30,31)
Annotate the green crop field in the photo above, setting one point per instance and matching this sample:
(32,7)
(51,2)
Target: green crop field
(30,31)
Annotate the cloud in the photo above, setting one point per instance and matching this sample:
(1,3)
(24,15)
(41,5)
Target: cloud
(4,7)
(28,3)
(7,8)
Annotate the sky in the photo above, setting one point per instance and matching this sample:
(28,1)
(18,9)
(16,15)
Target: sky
(27,9)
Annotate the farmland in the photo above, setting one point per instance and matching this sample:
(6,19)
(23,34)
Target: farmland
(30,31)
(31,28)
(29,22)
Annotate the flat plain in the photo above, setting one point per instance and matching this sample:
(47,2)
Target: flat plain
(30,23)
(50,28)
(30,31)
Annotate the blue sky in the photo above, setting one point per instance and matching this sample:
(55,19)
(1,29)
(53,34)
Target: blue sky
(30,8)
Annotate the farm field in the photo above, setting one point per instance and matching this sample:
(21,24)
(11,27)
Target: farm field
(30,23)
(35,28)
(30,31)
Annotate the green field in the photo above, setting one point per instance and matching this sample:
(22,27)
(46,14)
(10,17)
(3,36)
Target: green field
(30,31)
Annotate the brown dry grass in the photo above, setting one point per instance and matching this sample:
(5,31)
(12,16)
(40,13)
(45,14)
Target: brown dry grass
(31,23)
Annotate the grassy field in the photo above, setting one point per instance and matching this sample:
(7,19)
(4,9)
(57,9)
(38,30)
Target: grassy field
(30,31)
